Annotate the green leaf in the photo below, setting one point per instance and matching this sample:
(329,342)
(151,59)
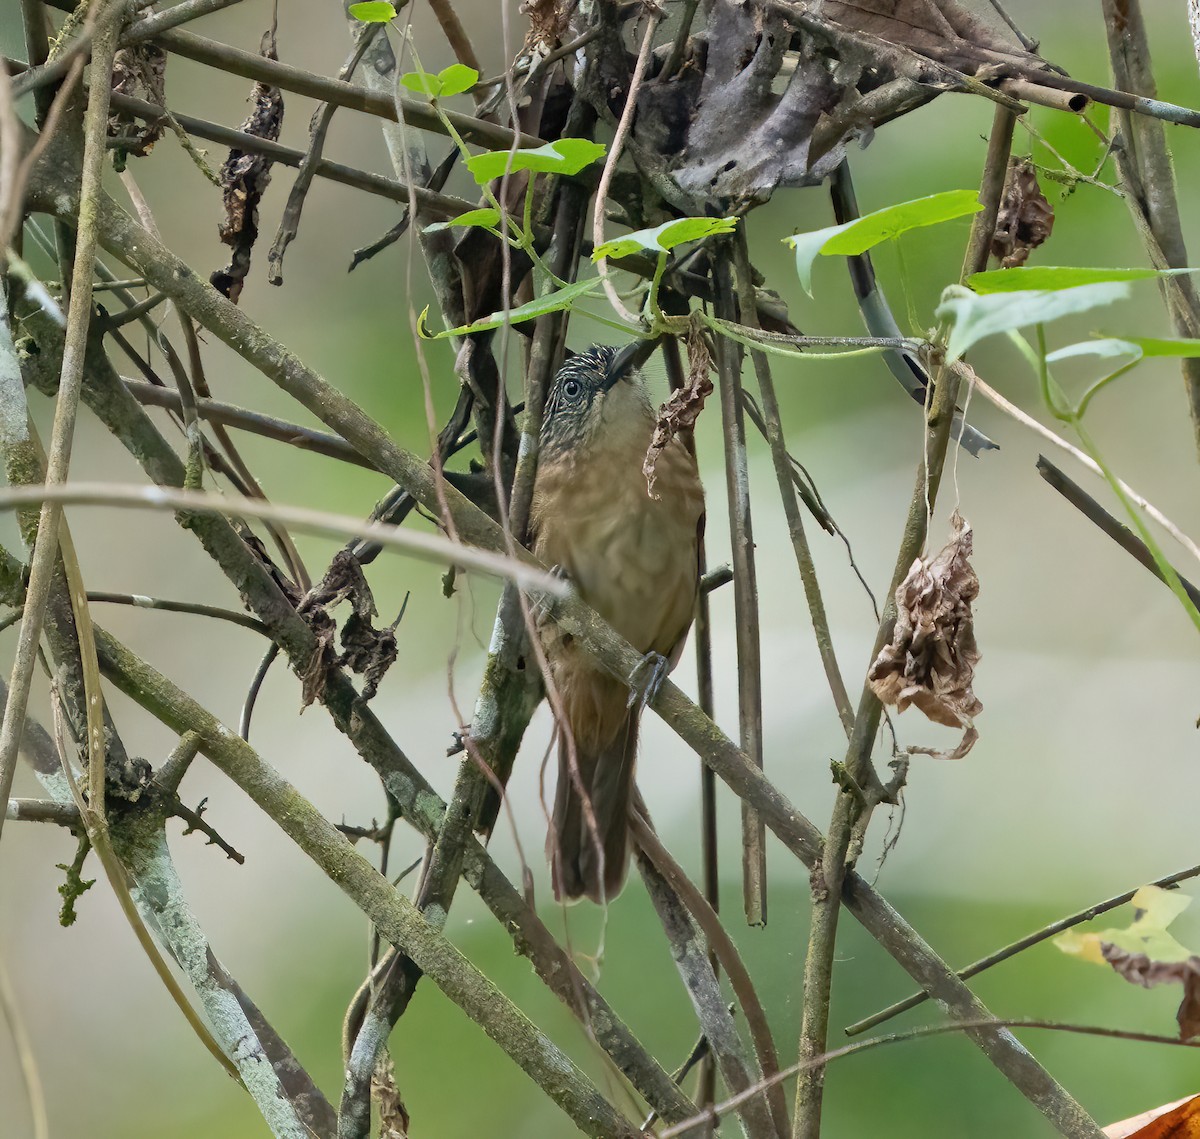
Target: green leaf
(1052,277)
(972,317)
(373,12)
(565,156)
(487,218)
(665,236)
(1104,347)
(1178,348)
(552,302)
(422,82)
(864,233)
(456,79)
(1156,909)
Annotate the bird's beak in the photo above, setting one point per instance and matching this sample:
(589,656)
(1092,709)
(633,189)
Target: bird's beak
(629,359)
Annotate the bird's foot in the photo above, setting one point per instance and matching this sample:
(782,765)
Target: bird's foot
(646,678)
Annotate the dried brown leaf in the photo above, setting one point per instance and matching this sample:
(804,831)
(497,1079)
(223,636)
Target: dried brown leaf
(245,178)
(682,410)
(930,662)
(1025,219)
(1140,969)
(393,1116)
(140,71)
(1178,1120)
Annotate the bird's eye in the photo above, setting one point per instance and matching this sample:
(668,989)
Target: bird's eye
(572,388)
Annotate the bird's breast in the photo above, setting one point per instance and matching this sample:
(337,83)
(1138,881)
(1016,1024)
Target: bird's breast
(632,557)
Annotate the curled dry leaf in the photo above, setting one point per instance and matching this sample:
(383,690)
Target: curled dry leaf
(930,662)
(1178,1120)
(244,178)
(140,71)
(682,410)
(368,651)
(1025,218)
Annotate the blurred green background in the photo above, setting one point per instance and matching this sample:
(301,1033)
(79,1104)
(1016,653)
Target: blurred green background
(1083,782)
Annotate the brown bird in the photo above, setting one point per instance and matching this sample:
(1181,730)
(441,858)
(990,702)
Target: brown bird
(634,559)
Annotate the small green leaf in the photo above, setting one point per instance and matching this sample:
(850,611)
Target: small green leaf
(806,247)
(552,302)
(1188,349)
(456,79)
(373,12)
(882,225)
(864,233)
(1154,910)
(1104,347)
(665,236)
(422,82)
(487,218)
(1057,277)
(566,156)
(972,317)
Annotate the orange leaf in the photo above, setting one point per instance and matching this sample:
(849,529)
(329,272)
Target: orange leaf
(1178,1120)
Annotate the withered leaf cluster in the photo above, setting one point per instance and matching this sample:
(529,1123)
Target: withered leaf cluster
(930,662)
(682,410)
(244,178)
(141,71)
(1025,218)
(367,651)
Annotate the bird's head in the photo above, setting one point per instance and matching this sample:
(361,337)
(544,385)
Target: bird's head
(594,393)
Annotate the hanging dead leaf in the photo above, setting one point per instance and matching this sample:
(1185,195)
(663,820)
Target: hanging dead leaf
(1025,218)
(140,71)
(682,410)
(930,662)
(245,178)
(1178,1120)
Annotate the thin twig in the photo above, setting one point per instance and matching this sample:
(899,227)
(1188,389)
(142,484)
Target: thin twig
(784,476)
(45,551)
(850,812)
(722,947)
(23,1047)
(745,589)
(430,547)
(397,919)
(1094,512)
(1020,945)
(256,422)
(1010,409)
(1144,163)
(610,165)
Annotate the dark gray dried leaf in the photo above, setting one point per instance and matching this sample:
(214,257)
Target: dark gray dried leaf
(784,88)
(343,581)
(1025,218)
(681,411)
(930,662)
(370,652)
(316,673)
(139,71)
(1139,969)
(244,178)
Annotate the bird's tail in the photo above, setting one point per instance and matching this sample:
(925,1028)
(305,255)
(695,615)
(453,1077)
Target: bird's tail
(590,856)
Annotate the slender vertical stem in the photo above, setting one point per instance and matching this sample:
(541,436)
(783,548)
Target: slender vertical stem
(79,312)
(785,476)
(1144,164)
(745,590)
(850,812)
